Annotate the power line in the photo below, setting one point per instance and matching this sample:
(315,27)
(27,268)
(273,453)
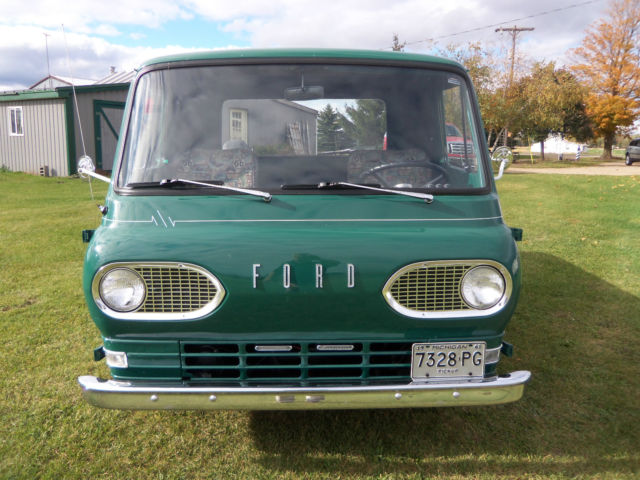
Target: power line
(494,25)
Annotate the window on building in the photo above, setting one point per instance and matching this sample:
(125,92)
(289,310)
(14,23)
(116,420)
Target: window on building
(238,130)
(15,121)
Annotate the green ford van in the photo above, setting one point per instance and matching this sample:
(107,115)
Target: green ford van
(299,229)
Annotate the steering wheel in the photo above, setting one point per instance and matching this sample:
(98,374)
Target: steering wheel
(433,167)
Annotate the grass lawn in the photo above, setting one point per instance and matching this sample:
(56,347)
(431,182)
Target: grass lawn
(576,328)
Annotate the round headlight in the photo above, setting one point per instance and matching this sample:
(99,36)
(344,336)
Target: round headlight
(122,290)
(482,287)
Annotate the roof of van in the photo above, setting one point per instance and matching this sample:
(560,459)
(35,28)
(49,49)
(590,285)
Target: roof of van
(306,53)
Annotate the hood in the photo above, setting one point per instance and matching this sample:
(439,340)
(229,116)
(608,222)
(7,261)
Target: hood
(338,250)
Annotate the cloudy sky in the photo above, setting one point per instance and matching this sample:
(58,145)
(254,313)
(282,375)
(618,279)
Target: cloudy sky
(123,33)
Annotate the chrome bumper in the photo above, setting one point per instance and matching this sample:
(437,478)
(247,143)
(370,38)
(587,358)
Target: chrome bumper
(146,396)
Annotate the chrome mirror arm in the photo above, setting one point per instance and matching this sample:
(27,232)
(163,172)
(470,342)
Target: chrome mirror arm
(82,171)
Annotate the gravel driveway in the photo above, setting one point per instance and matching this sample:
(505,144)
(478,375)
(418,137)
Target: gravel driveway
(602,169)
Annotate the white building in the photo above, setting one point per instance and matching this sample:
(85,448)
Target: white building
(557,144)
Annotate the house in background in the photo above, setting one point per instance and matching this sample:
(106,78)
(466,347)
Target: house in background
(40,132)
(559,145)
(268,126)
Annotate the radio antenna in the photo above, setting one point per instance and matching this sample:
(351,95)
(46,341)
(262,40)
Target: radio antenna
(75,102)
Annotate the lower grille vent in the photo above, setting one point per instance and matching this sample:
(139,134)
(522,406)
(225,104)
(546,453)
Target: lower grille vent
(304,364)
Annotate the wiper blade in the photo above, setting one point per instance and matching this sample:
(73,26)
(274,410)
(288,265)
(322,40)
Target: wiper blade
(266,196)
(423,196)
(166,184)
(322,185)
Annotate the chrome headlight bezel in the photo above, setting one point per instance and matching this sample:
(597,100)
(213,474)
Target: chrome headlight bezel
(143,312)
(468,311)
(482,287)
(107,290)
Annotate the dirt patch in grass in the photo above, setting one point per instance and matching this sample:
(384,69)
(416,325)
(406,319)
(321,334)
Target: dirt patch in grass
(602,169)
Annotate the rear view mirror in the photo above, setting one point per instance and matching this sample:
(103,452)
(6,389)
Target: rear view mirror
(313,92)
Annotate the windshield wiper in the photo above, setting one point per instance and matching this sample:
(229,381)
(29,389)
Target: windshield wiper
(158,184)
(316,186)
(423,196)
(168,182)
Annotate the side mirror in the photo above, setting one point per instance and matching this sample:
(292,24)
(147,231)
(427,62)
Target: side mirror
(501,158)
(86,168)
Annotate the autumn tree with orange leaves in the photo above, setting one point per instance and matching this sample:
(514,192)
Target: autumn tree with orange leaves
(609,65)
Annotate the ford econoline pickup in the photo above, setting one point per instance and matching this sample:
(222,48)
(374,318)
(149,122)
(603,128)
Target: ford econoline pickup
(296,229)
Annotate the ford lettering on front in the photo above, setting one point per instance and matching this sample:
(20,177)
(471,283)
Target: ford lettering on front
(288,229)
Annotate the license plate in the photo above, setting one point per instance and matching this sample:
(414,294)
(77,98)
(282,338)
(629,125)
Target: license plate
(434,361)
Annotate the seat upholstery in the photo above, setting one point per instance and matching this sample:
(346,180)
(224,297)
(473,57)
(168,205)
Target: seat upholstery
(236,168)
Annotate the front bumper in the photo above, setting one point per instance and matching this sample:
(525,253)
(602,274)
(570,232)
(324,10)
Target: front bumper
(151,396)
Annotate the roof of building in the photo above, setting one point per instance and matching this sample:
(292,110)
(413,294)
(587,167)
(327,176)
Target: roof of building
(41,84)
(117,77)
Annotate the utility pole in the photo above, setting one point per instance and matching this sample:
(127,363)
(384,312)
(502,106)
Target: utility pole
(514,31)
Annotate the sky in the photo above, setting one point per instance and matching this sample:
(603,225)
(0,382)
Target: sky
(86,37)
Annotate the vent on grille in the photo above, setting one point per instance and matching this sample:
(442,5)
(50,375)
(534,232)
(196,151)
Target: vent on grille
(174,291)
(427,289)
(303,364)
(430,289)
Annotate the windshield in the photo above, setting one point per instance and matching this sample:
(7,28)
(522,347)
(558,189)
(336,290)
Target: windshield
(287,128)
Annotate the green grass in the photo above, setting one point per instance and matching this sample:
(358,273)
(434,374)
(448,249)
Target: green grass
(576,328)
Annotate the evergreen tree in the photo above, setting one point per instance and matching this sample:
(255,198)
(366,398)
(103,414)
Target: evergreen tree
(365,124)
(329,130)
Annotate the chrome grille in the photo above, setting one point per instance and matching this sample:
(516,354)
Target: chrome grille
(175,289)
(430,288)
(459,148)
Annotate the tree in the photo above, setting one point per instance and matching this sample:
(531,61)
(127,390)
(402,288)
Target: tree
(610,65)
(497,105)
(550,101)
(397,46)
(365,124)
(330,134)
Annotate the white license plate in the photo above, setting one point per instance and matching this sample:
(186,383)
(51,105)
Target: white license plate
(447,360)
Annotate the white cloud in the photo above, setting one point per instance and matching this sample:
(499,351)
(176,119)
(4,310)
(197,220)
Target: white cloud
(77,16)
(107,31)
(94,29)
(23,58)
